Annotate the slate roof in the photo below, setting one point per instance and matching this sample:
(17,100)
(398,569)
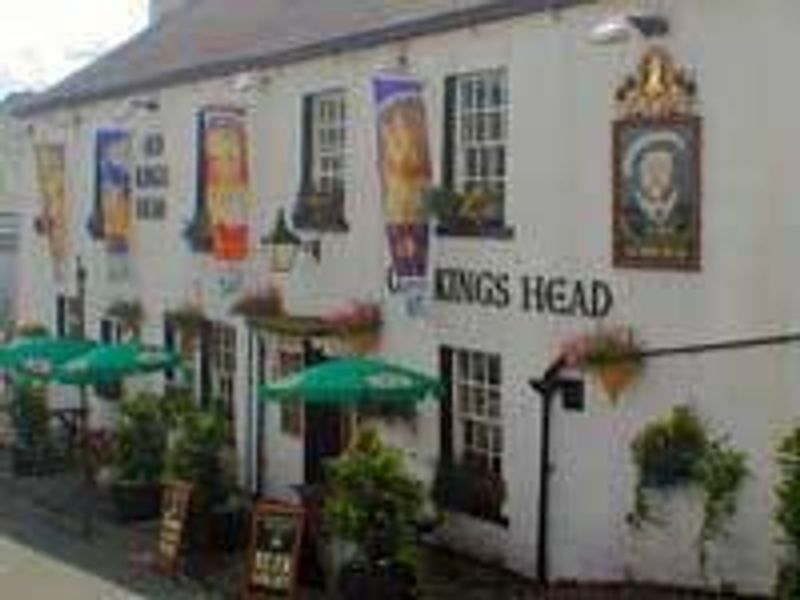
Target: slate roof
(210,38)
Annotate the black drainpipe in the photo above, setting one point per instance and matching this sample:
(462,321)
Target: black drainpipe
(546,387)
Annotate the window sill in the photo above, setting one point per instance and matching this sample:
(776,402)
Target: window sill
(327,228)
(492,232)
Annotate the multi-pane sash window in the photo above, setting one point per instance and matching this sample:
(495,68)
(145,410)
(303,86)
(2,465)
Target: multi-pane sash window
(223,365)
(476,138)
(290,360)
(320,205)
(478,428)
(329,130)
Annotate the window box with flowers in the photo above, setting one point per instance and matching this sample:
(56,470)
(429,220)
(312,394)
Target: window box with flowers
(477,212)
(319,209)
(613,355)
(260,304)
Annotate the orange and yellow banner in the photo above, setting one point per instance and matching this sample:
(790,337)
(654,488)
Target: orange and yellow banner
(224,180)
(51,176)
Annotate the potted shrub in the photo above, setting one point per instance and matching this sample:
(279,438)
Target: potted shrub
(32,452)
(195,454)
(138,458)
(677,452)
(787,516)
(374,504)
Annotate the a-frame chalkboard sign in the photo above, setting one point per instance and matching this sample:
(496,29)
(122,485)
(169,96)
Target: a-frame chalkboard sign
(274,551)
(175,501)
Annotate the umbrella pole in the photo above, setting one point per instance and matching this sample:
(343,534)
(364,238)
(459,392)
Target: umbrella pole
(88,480)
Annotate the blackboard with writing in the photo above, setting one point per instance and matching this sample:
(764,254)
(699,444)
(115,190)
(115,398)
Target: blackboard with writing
(174,514)
(275,538)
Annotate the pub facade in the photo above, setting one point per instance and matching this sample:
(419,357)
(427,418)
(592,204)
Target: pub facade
(467,191)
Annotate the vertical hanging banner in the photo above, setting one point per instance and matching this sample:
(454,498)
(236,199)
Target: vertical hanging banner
(405,169)
(113,202)
(52,222)
(224,186)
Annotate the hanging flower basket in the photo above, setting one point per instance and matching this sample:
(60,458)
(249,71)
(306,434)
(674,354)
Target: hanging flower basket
(129,314)
(260,304)
(189,319)
(358,325)
(611,354)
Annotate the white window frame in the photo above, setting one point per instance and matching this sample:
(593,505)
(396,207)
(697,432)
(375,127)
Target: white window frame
(289,359)
(329,133)
(481,120)
(477,407)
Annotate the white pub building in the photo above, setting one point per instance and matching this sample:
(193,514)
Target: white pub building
(469,188)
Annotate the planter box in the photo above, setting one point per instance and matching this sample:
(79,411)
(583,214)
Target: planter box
(136,501)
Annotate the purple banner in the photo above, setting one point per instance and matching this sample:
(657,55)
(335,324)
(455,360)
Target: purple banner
(405,169)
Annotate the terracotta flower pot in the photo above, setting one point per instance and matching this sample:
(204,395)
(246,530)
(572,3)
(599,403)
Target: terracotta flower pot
(615,377)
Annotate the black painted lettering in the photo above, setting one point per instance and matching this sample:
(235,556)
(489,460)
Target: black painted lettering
(557,299)
(602,299)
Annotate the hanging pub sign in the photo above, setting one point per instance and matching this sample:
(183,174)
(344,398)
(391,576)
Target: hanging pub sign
(274,550)
(657,168)
(175,504)
(405,169)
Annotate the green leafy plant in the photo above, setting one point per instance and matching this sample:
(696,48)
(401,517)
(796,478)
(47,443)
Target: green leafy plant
(140,440)
(194,454)
(373,501)
(676,451)
(30,417)
(787,515)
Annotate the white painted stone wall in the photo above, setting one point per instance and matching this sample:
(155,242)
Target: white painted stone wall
(562,89)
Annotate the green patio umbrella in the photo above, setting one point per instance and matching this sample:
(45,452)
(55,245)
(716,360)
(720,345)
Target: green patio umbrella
(39,355)
(352,382)
(109,363)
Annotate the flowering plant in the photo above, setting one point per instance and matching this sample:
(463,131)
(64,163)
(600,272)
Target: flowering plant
(260,303)
(356,316)
(612,353)
(359,323)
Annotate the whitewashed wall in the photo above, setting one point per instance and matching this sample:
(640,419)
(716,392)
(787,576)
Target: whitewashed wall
(562,88)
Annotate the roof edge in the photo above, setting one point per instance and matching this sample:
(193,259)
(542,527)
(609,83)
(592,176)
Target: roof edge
(351,42)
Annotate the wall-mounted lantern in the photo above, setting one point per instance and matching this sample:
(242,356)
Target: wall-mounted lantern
(283,245)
